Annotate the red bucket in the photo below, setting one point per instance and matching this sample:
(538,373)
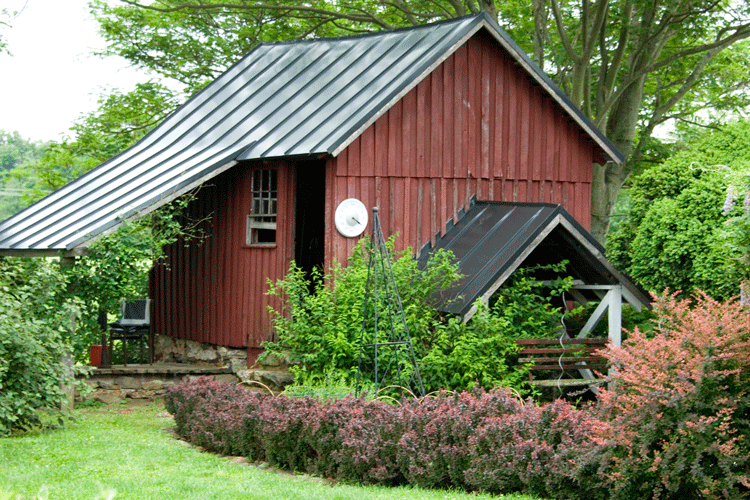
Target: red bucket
(95,355)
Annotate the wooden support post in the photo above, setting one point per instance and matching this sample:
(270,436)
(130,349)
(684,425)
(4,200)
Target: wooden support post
(615,315)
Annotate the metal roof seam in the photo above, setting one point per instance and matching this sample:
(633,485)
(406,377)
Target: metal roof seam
(383,55)
(356,130)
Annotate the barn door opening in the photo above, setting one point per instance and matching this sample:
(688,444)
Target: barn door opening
(309,221)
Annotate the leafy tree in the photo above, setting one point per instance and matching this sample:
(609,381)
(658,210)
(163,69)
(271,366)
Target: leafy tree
(122,119)
(630,65)
(6,17)
(15,154)
(15,150)
(675,235)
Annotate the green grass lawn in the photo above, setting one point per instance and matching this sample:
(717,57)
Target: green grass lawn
(123,452)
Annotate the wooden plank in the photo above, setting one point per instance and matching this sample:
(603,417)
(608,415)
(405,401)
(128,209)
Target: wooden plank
(450,118)
(395,131)
(565,359)
(558,341)
(615,315)
(565,382)
(423,127)
(486,125)
(559,351)
(567,367)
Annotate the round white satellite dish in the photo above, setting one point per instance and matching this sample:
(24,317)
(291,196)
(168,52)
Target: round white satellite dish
(351,217)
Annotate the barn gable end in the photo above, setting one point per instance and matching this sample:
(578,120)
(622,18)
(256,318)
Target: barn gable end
(474,126)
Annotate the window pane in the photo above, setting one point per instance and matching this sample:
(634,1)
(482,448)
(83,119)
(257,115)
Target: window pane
(261,223)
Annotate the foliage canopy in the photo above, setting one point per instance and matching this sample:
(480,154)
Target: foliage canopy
(675,235)
(37,324)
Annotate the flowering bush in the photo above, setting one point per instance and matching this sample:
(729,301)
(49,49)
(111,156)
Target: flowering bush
(678,404)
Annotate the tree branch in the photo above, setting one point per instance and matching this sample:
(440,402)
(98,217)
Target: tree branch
(359,18)
(714,48)
(561,31)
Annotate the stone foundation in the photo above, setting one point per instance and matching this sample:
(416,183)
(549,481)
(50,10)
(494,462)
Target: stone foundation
(174,361)
(111,385)
(172,350)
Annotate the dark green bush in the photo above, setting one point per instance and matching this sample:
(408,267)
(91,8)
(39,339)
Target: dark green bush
(320,325)
(674,235)
(33,370)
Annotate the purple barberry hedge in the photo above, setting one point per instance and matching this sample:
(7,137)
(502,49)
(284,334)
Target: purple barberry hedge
(485,440)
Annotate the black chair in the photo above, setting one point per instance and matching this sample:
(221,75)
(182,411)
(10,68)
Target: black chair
(134,324)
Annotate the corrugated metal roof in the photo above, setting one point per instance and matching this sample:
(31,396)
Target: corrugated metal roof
(493,239)
(298,98)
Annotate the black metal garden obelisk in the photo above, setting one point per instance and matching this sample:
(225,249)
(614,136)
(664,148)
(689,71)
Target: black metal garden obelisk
(386,354)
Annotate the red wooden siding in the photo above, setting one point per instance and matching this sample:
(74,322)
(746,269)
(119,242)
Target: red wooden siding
(475,126)
(215,292)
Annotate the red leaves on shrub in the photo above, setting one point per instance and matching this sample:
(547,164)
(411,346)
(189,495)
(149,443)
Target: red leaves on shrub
(434,449)
(369,438)
(210,414)
(540,450)
(678,403)
(447,441)
(673,424)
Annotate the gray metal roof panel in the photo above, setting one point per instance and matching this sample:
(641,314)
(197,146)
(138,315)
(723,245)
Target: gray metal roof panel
(282,99)
(495,237)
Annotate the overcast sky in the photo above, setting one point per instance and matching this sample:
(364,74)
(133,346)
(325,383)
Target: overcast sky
(51,77)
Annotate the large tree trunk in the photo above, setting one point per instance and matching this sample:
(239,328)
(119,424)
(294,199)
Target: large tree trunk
(608,179)
(605,188)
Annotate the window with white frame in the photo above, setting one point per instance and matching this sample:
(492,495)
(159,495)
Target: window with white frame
(261,223)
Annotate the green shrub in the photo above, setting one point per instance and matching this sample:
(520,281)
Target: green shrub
(320,325)
(483,351)
(674,234)
(35,332)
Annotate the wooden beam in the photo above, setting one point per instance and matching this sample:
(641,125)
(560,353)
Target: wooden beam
(614,298)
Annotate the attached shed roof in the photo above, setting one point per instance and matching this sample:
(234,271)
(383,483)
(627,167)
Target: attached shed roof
(306,97)
(493,239)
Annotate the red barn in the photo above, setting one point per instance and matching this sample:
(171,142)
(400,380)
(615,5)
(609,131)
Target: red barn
(417,122)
